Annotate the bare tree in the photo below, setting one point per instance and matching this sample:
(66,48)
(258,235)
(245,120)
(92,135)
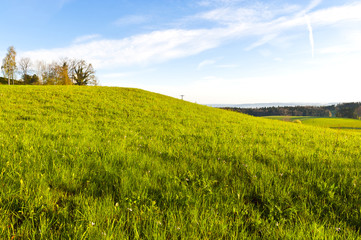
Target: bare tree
(82,73)
(40,70)
(9,64)
(64,72)
(25,65)
(93,82)
(51,74)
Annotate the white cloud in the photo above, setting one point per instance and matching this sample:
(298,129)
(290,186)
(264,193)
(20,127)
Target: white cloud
(207,3)
(142,49)
(159,46)
(116,75)
(311,5)
(351,44)
(335,15)
(319,80)
(287,87)
(265,39)
(257,13)
(205,63)
(269,30)
(230,15)
(227,66)
(130,20)
(86,38)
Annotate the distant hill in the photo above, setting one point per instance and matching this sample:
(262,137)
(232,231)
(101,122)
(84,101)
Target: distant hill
(119,163)
(264,105)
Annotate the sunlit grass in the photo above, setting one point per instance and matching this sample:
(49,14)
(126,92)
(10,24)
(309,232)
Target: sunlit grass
(115,163)
(334,123)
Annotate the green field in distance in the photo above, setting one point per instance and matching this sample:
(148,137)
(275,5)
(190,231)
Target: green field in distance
(334,123)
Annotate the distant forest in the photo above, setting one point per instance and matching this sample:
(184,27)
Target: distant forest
(343,110)
(34,80)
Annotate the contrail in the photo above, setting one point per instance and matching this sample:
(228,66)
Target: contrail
(312,42)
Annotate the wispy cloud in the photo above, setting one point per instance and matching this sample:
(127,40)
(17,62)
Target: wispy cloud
(62,3)
(311,5)
(335,15)
(130,20)
(350,44)
(163,45)
(227,66)
(269,30)
(205,63)
(228,16)
(207,3)
(142,49)
(86,38)
(265,39)
(117,75)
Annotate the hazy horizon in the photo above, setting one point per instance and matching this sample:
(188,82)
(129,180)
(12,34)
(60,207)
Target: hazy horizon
(269,104)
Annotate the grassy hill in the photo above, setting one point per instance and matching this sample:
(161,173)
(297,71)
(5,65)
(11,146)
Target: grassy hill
(116,163)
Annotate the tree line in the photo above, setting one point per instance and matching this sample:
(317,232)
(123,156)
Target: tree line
(64,72)
(342,110)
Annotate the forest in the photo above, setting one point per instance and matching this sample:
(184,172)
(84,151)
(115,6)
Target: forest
(342,110)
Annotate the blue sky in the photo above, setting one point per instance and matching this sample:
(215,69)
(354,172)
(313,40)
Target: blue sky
(211,51)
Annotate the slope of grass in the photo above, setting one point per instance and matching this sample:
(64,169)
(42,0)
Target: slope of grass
(115,163)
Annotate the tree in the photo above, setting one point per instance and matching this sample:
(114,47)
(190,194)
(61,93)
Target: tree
(34,80)
(57,73)
(40,70)
(63,73)
(25,65)
(50,75)
(82,73)
(9,64)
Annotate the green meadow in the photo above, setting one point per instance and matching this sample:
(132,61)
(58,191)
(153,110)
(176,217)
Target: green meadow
(334,123)
(118,163)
